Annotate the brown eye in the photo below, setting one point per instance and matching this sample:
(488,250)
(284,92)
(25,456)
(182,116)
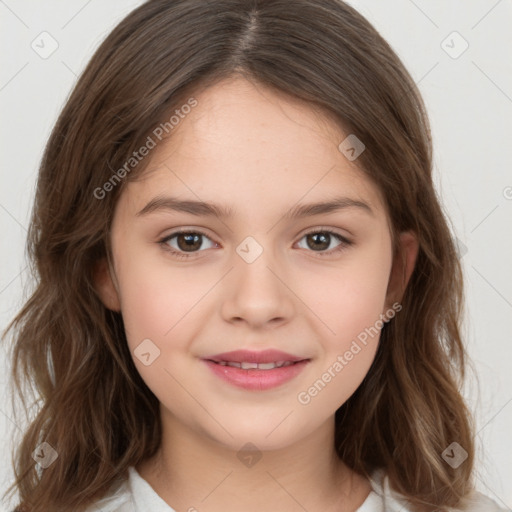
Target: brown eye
(320,241)
(182,242)
(189,241)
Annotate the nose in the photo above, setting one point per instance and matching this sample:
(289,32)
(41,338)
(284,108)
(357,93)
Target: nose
(258,293)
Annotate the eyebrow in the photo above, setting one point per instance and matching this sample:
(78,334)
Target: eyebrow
(204,209)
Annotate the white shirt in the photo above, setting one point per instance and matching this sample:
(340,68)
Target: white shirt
(136,495)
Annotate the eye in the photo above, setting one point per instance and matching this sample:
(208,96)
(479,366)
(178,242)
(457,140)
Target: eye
(181,242)
(186,242)
(320,240)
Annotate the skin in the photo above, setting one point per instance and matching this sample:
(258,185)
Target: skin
(260,153)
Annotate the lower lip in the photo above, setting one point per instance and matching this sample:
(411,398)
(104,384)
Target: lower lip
(254,379)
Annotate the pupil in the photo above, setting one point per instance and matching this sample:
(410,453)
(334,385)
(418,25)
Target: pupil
(191,242)
(324,242)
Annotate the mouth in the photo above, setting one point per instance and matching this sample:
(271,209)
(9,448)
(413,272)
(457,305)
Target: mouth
(254,376)
(257,366)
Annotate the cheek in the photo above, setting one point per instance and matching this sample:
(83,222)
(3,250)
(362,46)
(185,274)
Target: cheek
(154,300)
(347,299)
(349,306)
(159,306)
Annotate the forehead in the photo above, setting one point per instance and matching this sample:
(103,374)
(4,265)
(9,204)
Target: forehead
(248,146)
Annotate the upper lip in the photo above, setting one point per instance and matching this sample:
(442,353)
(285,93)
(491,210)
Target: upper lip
(248,356)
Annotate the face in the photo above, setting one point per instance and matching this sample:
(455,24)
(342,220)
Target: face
(262,278)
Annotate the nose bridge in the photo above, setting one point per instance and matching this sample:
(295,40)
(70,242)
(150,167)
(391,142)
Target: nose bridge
(257,294)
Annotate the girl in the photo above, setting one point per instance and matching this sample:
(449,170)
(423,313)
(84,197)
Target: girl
(247,295)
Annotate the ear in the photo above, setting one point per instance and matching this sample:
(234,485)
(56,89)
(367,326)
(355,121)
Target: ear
(404,261)
(105,286)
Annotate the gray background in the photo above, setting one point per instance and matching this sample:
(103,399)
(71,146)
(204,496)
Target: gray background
(469,99)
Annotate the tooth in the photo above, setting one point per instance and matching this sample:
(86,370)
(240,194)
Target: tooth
(247,366)
(251,366)
(266,366)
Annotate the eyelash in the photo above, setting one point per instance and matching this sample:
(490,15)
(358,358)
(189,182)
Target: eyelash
(345,243)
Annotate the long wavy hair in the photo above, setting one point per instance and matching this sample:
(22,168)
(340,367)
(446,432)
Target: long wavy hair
(70,353)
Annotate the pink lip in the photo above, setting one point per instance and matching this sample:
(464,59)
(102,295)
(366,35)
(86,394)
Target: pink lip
(254,379)
(263,356)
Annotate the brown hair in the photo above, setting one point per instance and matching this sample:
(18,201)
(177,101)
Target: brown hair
(93,406)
